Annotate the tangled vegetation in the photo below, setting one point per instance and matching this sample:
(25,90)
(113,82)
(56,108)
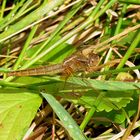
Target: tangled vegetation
(91,48)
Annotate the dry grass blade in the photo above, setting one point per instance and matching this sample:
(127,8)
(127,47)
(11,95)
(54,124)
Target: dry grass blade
(97,48)
(131,125)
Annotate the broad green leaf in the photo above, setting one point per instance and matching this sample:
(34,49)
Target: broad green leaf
(110,101)
(118,116)
(69,124)
(17,109)
(111,117)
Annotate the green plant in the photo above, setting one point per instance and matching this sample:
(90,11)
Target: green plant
(34,33)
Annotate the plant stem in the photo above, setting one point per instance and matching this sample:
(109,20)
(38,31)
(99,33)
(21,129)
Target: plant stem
(91,111)
(130,50)
(2,8)
(26,45)
(114,71)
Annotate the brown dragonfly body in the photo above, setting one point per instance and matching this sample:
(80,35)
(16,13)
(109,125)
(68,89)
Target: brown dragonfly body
(77,62)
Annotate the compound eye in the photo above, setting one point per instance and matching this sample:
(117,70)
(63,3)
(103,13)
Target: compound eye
(93,59)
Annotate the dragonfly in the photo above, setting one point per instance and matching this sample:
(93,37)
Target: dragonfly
(77,62)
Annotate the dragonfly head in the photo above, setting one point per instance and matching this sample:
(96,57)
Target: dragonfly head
(93,59)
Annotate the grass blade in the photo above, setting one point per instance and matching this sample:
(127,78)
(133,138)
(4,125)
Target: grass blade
(69,124)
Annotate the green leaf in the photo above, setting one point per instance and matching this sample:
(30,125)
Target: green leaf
(17,109)
(111,101)
(119,116)
(117,94)
(107,118)
(69,124)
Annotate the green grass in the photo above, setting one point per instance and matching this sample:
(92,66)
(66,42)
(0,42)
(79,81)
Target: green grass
(36,33)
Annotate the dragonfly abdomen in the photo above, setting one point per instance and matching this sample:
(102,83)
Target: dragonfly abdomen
(44,70)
